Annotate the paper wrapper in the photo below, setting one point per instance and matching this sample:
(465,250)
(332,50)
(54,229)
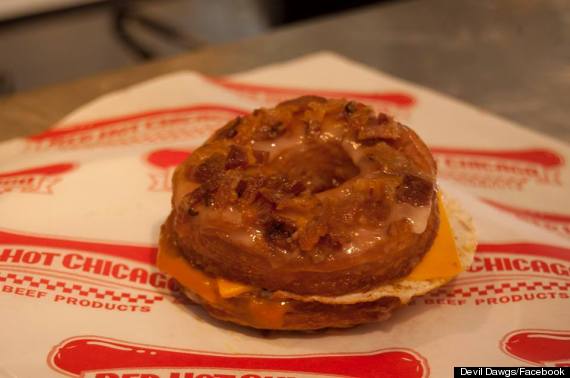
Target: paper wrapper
(81,205)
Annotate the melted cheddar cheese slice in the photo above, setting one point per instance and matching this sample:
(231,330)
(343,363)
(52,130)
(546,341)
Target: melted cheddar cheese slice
(442,260)
(230,289)
(216,291)
(170,261)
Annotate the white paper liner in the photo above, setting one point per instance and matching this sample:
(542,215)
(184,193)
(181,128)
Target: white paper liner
(81,205)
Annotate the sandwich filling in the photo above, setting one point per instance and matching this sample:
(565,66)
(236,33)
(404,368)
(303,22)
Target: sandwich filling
(266,309)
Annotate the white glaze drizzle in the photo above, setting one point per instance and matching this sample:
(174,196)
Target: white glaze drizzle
(279,145)
(417,216)
(362,240)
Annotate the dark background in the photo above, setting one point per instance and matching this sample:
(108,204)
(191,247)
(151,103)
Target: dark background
(46,46)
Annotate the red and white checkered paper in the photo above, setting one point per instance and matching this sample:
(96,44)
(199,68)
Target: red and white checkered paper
(81,205)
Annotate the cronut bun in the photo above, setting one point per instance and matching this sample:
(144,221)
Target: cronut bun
(314,196)
(312,312)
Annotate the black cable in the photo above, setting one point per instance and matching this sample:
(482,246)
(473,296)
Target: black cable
(121,13)
(124,14)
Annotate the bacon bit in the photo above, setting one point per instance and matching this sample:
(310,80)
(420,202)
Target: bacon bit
(350,108)
(190,200)
(203,194)
(384,129)
(312,128)
(189,205)
(279,230)
(276,188)
(311,234)
(329,242)
(210,169)
(271,195)
(296,188)
(263,208)
(270,131)
(226,190)
(415,191)
(324,249)
(192,212)
(377,210)
(383,118)
(261,156)
(247,189)
(230,130)
(237,158)
(240,188)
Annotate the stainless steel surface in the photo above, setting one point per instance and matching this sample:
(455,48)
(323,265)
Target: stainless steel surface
(510,57)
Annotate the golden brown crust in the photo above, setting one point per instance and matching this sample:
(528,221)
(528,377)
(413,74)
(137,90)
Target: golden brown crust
(314,196)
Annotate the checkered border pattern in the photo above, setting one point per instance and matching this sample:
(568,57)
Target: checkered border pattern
(500,288)
(69,288)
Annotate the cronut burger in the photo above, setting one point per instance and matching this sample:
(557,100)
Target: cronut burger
(316,213)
